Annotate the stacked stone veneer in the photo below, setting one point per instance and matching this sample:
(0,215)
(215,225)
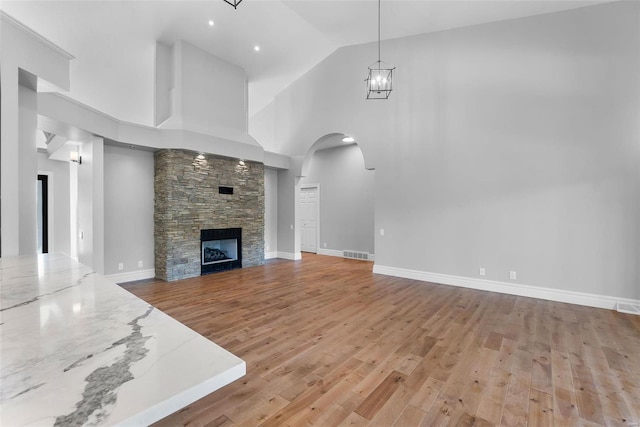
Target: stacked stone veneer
(187,200)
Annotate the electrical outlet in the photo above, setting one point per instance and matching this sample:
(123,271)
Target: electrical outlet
(266,247)
(382,231)
(120,266)
(140,264)
(324,245)
(291,226)
(512,275)
(482,271)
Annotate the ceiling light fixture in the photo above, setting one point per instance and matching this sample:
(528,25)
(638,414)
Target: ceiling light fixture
(256,48)
(380,78)
(211,22)
(234,3)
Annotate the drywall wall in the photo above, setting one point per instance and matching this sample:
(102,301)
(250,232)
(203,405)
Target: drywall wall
(213,91)
(59,201)
(261,127)
(85,206)
(270,212)
(22,49)
(70,118)
(128,209)
(288,234)
(27,178)
(511,146)
(200,92)
(9,131)
(346,198)
(164,87)
(90,216)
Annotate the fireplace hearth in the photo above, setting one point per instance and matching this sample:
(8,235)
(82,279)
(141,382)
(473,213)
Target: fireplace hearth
(221,249)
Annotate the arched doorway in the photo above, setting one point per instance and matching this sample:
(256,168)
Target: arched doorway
(335,208)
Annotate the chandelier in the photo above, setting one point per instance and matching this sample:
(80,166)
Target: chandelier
(380,79)
(233,3)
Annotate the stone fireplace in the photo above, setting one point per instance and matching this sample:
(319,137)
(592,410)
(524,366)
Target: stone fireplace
(197,193)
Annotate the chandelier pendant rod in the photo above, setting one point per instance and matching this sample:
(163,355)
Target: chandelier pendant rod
(379,30)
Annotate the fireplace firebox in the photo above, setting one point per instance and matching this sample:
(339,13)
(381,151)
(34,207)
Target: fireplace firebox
(221,249)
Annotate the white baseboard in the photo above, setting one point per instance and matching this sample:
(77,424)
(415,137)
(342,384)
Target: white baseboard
(559,295)
(270,255)
(290,255)
(330,252)
(628,308)
(132,276)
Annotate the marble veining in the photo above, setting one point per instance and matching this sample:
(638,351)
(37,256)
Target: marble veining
(36,298)
(76,349)
(100,389)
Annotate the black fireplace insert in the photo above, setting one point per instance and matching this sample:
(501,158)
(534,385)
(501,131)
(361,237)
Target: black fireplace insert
(221,249)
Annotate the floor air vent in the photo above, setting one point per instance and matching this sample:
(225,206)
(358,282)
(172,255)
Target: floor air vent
(355,254)
(624,307)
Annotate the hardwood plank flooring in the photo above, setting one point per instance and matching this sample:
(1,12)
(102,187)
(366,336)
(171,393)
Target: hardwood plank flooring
(329,343)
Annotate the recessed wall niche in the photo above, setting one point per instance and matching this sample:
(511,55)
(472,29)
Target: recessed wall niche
(187,200)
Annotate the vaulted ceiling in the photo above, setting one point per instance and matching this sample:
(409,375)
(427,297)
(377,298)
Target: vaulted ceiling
(113,41)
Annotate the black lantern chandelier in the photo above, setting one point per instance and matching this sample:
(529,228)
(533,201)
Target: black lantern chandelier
(234,3)
(380,79)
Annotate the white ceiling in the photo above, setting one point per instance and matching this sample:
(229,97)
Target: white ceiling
(113,41)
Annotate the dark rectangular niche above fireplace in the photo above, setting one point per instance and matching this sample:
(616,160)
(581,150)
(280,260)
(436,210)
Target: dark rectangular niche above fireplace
(221,249)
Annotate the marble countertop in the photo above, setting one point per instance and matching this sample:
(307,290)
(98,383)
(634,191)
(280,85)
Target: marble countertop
(77,349)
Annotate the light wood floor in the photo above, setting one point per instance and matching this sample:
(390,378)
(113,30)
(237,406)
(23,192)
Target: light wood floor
(328,343)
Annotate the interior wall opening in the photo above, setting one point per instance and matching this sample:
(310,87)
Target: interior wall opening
(43,214)
(336,202)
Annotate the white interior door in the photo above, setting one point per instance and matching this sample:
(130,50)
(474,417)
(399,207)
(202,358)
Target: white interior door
(309,219)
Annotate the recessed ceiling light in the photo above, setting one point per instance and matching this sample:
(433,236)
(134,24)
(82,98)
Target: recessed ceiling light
(211,22)
(348,139)
(256,48)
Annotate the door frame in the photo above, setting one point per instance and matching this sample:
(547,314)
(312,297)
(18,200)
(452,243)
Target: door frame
(317,187)
(47,213)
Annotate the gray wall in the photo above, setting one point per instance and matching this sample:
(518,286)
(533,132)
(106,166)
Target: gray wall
(128,204)
(27,159)
(91,205)
(22,50)
(270,210)
(508,146)
(164,83)
(346,198)
(261,127)
(59,201)
(213,91)
(288,239)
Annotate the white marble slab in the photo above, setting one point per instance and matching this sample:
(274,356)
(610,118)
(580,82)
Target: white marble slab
(76,349)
